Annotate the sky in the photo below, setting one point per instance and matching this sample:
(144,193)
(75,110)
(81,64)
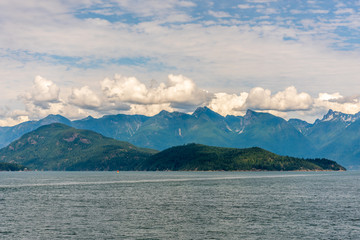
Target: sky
(293,59)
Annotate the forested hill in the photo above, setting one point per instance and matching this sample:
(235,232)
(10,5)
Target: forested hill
(60,147)
(11,167)
(204,158)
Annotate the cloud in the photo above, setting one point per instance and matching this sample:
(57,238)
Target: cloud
(338,103)
(229,104)
(66,39)
(245,6)
(268,11)
(219,14)
(131,96)
(178,89)
(43,92)
(149,109)
(44,99)
(329,97)
(11,121)
(84,98)
(319,11)
(345,11)
(287,100)
(261,1)
(262,100)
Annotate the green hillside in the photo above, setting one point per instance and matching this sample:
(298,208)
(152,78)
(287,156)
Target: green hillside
(60,147)
(204,158)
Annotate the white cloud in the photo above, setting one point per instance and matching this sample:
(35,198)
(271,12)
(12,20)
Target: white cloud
(245,6)
(268,11)
(149,109)
(131,96)
(219,14)
(296,11)
(327,96)
(178,89)
(84,98)
(229,104)
(261,99)
(43,92)
(261,1)
(207,53)
(55,38)
(43,99)
(345,11)
(338,103)
(10,121)
(319,11)
(287,100)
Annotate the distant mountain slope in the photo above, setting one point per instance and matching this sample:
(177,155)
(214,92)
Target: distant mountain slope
(346,146)
(204,158)
(9,134)
(119,126)
(272,133)
(162,130)
(333,124)
(60,147)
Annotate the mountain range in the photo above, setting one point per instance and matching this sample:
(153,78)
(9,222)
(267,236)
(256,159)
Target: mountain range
(336,136)
(59,147)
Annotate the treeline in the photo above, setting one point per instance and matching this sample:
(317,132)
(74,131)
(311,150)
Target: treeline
(11,167)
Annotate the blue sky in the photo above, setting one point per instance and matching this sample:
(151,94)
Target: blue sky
(93,57)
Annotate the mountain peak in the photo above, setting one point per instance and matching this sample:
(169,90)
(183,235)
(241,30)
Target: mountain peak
(163,113)
(51,118)
(200,110)
(339,116)
(250,112)
(88,118)
(207,112)
(329,115)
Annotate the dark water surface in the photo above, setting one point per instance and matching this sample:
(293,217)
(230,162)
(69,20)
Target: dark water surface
(180,205)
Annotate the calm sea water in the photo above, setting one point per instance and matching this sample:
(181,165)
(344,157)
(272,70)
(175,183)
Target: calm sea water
(180,205)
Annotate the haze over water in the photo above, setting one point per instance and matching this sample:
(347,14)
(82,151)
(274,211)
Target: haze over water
(179,205)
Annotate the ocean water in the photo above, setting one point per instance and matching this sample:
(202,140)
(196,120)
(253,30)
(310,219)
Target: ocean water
(180,205)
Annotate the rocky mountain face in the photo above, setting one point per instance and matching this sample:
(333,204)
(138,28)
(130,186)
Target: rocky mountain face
(336,136)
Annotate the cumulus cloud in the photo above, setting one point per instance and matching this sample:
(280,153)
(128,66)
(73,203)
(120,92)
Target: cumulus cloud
(261,99)
(338,103)
(178,89)
(150,109)
(44,99)
(120,94)
(85,98)
(229,104)
(329,97)
(43,92)
(287,100)
(179,93)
